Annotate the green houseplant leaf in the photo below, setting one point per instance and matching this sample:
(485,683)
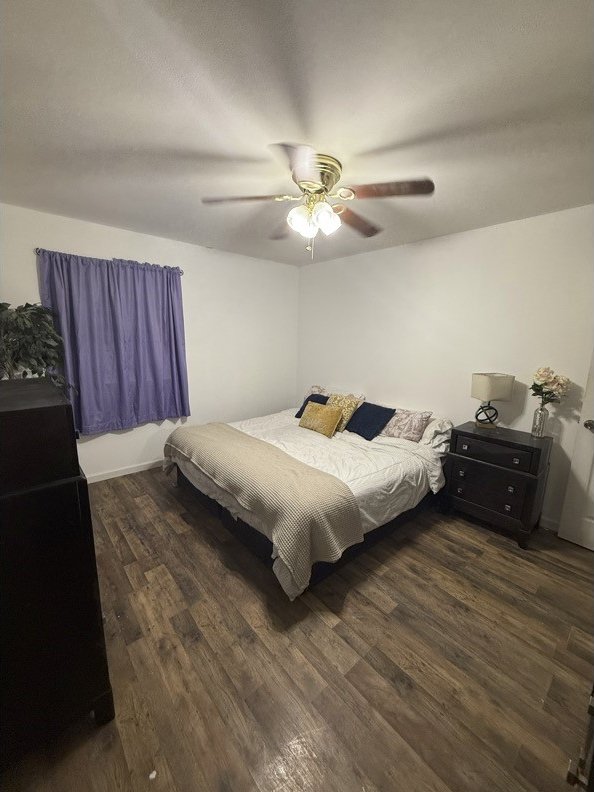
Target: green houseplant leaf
(29,343)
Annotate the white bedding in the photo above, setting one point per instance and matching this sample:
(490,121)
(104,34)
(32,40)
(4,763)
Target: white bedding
(386,475)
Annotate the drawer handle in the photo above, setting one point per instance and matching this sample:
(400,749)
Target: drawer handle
(460,490)
(511,490)
(461,473)
(507,507)
(516,460)
(464,446)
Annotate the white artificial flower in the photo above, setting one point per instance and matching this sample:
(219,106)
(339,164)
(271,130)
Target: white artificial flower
(561,385)
(543,375)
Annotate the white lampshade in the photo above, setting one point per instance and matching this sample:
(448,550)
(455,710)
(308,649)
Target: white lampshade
(492,387)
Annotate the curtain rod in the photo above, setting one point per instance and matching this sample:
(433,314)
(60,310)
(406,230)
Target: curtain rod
(37,251)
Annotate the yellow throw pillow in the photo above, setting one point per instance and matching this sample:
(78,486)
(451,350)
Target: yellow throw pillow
(321,418)
(347,403)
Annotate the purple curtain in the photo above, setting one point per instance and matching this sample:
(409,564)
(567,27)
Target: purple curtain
(123,329)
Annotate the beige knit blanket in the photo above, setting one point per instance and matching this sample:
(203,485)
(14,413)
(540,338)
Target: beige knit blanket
(312,515)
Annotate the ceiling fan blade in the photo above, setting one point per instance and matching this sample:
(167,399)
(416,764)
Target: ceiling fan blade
(390,189)
(236,198)
(281,231)
(358,223)
(300,158)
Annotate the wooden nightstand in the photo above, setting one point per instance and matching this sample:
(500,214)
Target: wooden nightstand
(498,475)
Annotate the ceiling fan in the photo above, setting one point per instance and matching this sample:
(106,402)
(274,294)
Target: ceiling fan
(317,175)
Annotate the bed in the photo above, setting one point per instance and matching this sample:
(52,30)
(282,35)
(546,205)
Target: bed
(355,485)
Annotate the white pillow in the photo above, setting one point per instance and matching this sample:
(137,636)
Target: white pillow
(437,434)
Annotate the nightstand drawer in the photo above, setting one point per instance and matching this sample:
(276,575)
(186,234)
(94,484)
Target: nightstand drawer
(494,453)
(492,488)
(499,503)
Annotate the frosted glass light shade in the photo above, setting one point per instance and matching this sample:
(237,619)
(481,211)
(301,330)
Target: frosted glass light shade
(299,220)
(326,218)
(492,386)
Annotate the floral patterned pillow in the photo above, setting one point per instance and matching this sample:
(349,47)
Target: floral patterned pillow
(316,389)
(348,403)
(406,424)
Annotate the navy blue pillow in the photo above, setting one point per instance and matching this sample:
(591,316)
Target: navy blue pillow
(314,397)
(369,419)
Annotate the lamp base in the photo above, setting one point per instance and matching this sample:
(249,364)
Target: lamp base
(486,416)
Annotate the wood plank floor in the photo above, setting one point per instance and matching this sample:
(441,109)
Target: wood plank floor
(444,659)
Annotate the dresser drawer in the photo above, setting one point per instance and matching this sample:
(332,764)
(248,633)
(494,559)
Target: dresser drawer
(494,453)
(486,486)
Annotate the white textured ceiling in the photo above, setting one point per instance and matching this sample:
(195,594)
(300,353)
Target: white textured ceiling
(127,112)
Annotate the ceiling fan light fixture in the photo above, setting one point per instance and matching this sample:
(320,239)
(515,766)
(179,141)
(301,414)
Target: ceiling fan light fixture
(325,218)
(317,176)
(300,220)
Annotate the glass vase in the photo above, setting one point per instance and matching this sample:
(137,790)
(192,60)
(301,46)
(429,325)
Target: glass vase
(539,421)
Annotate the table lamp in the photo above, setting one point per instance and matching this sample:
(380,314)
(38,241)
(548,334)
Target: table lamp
(490,387)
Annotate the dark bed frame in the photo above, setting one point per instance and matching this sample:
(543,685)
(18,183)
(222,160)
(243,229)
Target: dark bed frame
(261,546)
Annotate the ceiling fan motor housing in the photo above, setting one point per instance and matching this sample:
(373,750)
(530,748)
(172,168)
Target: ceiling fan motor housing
(327,168)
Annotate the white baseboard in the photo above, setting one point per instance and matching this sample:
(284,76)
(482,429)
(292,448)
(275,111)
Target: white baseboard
(107,474)
(548,524)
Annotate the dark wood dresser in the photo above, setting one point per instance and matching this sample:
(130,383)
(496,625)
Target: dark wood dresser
(498,475)
(53,665)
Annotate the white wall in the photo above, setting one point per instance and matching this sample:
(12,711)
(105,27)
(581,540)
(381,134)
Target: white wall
(240,322)
(408,326)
